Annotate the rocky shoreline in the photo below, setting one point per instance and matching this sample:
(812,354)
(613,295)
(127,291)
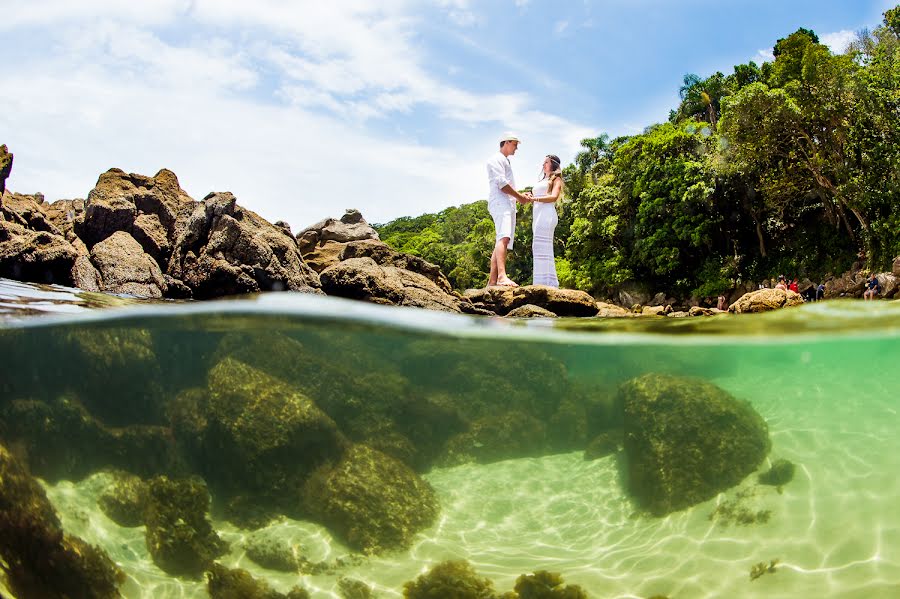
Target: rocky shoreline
(144,236)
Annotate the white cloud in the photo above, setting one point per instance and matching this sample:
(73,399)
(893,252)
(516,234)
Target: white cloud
(560,26)
(765,55)
(271,101)
(838,41)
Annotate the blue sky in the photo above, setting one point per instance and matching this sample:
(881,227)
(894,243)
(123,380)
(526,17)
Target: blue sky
(305,108)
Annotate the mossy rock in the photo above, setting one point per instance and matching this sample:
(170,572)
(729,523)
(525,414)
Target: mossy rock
(124,501)
(780,474)
(179,535)
(351,588)
(604,444)
(38,558)
(514,434)
(450,580)
(271,552)
(547,585)
(687,440)
(373,501)
(225,583)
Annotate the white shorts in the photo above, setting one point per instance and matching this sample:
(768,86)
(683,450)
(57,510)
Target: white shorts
(504,222)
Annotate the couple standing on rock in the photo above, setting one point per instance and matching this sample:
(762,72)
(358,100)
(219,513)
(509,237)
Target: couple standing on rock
(502,206)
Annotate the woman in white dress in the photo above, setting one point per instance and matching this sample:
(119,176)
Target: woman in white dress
(545,193)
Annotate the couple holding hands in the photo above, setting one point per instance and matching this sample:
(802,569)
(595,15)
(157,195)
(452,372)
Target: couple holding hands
(502,206)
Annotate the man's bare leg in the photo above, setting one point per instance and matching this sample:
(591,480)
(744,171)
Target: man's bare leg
(498,258)
(492,280)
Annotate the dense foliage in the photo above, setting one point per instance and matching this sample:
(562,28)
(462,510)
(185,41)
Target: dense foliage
(792,166)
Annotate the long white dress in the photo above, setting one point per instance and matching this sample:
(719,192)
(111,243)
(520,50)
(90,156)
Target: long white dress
(543,224)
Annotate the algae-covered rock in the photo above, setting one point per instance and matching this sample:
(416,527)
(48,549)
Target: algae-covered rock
(780,474)
(272,552)
(351,588)
(125,500)
(687,440)
(37,557)
(491,439)
(225,583)
(250,433)
(449,580)
(371,500)
(179,536)
(547,585)
(604,444)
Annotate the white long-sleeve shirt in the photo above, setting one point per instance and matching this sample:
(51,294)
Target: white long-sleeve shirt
(500,175)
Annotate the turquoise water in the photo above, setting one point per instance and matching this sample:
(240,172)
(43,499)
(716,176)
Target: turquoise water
(824,377)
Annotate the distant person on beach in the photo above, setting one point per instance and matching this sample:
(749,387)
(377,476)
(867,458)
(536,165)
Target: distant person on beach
(873,287)
(544,194)
(781,285)
(820,292)
(794,286)
(502,198)
(721,305)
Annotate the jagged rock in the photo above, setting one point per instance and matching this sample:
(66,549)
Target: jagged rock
(28,211)
(562,302)
(177,289)
(363,278)
(148,231)
(250,433)
(850,284)
(895,269)
(323,255)
(223,249)
(63,213)
(38,558)
(124,267)
(530,311)
(607,310)
(383,255)
(179,535)
(84,274)
(351,227)
(6,162)
(36,256)
(765,300)
(373,501)
(687,440)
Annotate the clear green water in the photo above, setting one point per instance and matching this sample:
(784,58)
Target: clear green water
(824,377)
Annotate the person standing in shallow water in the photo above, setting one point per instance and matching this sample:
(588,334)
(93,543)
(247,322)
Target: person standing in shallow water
(502,198)
(544,194)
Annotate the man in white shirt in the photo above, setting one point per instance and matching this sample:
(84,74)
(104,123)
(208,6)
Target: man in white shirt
(502,200)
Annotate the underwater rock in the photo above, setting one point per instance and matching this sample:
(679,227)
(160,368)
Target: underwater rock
(251,434)
(63,441)
(449,580)
(494,438)
(125,500)
(780,474)
(179,536)
(547,585)
(764,300)
(236,583)
(687,440)
(38,558)
(604,444)
(371,500)
(354,589)
(272,552)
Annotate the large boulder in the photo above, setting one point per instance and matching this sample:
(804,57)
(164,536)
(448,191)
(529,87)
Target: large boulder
(37,558)
(895,269)
(324,254)
(350,227)
(764,300)
(365,279)
(562,302)
(686,440)
(607,310)
(124,267)
(890,284)
(850,284)
(223,249)
(6,162)
(371,500)
(383,255)
(252,434)
(30,211)
(36,256)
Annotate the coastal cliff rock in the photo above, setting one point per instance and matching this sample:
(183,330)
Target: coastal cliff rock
(6,161)
(124,267)
(373,501)
(38,558)
(562,302)
(764,300)
(687,440)
(30,211)
(223,249)
(35,256)
(350,227)
(365,279)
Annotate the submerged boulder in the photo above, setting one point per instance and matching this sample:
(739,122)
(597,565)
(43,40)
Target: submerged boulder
(764,300)
(687,440)
(37,557)
(454,579)
(237,583)
(179,536)
(371,500)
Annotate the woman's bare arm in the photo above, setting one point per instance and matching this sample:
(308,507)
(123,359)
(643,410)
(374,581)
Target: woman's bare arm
(555,190)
